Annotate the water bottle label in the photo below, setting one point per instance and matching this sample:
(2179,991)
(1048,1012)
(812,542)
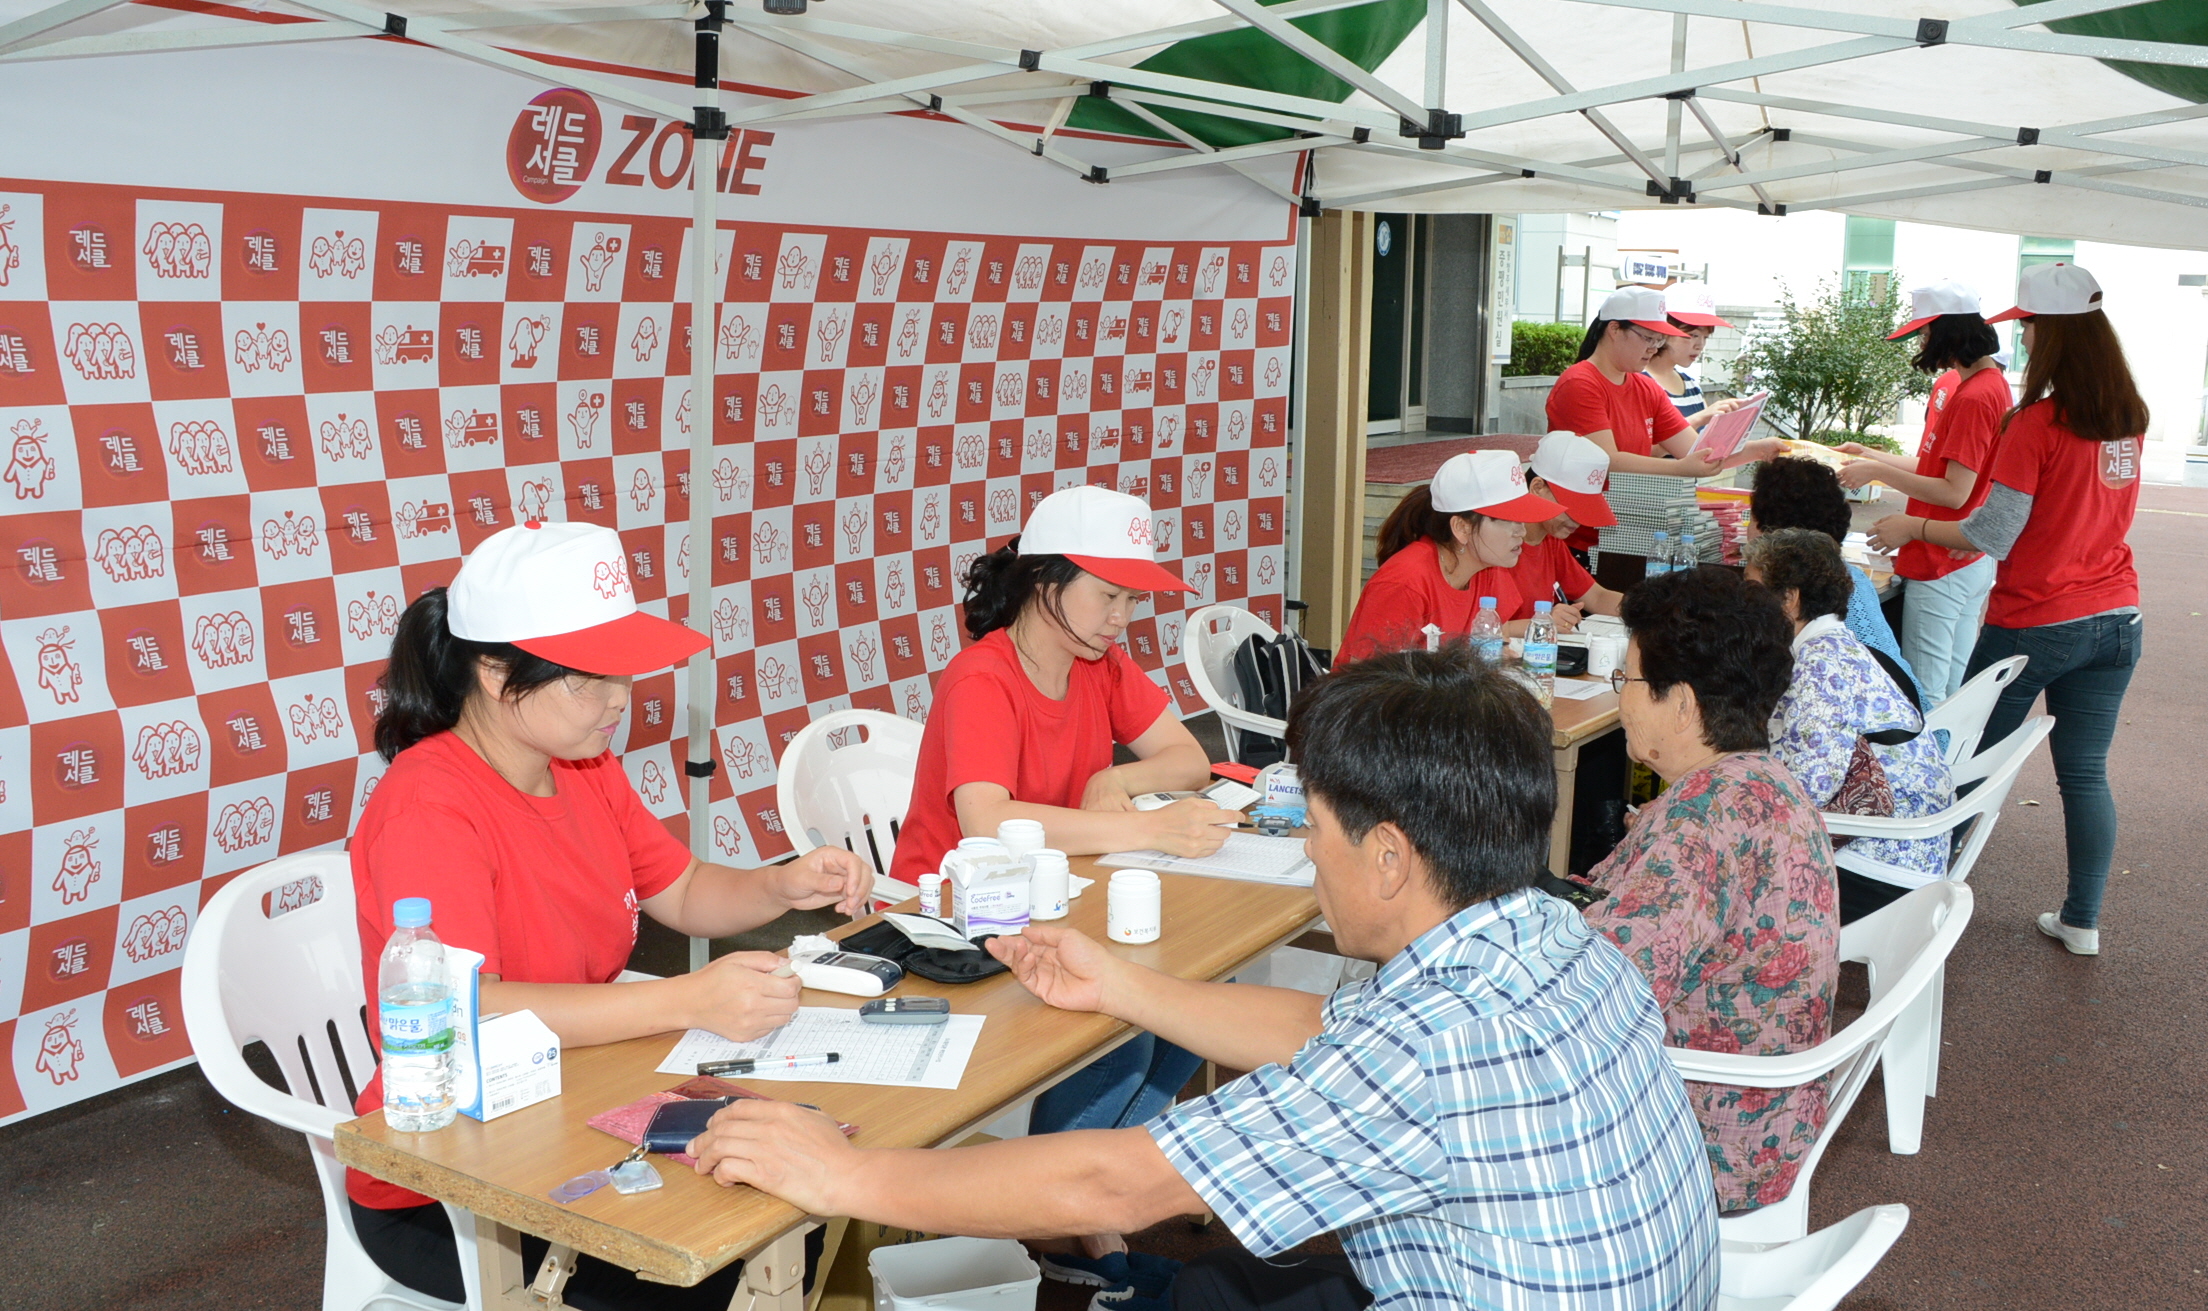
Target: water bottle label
(1540,655)
(422,1028)
(1490,649)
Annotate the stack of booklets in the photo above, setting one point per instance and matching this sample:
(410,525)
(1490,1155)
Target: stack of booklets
(1647,504)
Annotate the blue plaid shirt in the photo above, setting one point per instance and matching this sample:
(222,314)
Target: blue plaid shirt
(1489,1122)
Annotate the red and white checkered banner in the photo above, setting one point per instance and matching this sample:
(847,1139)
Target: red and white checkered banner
(244,429)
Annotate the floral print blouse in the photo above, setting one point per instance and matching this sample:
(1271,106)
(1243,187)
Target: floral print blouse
(1723,894)
(1838,694)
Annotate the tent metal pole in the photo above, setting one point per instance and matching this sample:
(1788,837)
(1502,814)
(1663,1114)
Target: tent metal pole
(708,130)
(1532,58)
(1299,390)
(1878,159)
(1325,56)
(1114,45)
(1996,31)
(1437,51)
(1672,107)
(46,20)
(2073,136)
(203,38)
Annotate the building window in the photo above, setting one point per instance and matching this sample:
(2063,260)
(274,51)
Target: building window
(1867,258)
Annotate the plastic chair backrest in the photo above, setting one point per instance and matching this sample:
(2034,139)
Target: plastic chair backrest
(1905,945)
(1994,770)
(1213,635)
(846,780)
(1964,714)
(1808,1274)
(275,959)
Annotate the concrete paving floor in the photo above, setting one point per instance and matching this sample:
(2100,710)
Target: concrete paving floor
(2064,1162)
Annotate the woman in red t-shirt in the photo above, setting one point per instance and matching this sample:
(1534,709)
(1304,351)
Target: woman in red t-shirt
(1023,726)
(1567,470)
(1944,595)
(2065,485)
(1609,399)
(505,807)
(1444,548)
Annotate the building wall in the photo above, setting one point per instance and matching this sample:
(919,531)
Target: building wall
(1541,237)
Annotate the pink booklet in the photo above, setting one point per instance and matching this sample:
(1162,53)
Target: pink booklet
(627,1122)
(1724,435)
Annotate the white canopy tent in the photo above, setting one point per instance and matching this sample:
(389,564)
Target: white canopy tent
(1966,112)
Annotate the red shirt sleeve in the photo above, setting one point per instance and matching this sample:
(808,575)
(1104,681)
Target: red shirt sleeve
(656,858)
(2017,459)
(981,735)
(1136,701)
(1575,404)
(1570,572)
(1669,422)
(1973,423)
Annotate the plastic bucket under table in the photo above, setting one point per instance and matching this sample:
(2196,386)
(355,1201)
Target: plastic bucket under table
(954,1274)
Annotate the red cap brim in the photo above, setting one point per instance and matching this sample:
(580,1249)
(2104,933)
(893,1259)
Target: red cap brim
(633,644)
(1140,575)
(1520,509)
(2013,312)
(1657,325)
(1912,325)
(1702,320)
(1590,511)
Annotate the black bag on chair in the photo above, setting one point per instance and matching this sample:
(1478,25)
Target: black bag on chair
(1269,672)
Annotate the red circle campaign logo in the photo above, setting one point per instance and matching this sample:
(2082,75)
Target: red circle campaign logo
(553,145)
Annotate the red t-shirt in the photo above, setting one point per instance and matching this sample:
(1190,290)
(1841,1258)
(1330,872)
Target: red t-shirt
(1541,566)
(1962,423)
(991,724)
(1408,593)
(1637,411)
(545,887)
(2072,559)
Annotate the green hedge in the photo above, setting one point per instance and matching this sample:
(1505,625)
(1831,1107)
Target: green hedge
(1871,439)
(1539,350)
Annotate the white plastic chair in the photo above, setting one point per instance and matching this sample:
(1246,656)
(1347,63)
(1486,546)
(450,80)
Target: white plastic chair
(846,778)
(1994,770)
(276,959)
(1905,944)
(1209,642)
(1808,1274)
(1963,716)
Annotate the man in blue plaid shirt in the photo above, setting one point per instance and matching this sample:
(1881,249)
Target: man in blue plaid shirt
(1488,1122)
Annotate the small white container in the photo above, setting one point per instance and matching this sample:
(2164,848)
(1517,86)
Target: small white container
(1053,885)
(1604,654)
(954,1274)
(931,895)
(1022,837)
(1135,910)
(980,844)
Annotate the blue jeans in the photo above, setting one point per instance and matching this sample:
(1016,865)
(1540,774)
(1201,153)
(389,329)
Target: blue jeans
(1121,1089)
(1939,624)
(2083,666)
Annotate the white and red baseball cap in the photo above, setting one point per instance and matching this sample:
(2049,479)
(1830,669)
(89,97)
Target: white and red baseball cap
(1103,531)
(561,591)
(1576,471)
(1692,304)
(1930,302)
(1492,483)
(1643,307)
(2053,289)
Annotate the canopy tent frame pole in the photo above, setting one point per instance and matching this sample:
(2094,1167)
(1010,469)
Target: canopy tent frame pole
(2072,136)
(1534,60)
(205,38)
(708,129)
(46,20)
(1995,30)
(1325,56)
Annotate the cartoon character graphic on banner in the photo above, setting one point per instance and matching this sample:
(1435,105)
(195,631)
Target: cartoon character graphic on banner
(644,342)
(30,468)
(100,352)
(603,254)
(337,256)
(58,671)
(11,255)
(372,616)
(294,534)
(156,933)
(261,347)
(79,869)
(179,250)
(525,340)
(59,1050)
(728,836)
(583,419)
(223,640)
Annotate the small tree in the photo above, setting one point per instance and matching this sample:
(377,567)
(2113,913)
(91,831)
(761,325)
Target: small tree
(1827,363)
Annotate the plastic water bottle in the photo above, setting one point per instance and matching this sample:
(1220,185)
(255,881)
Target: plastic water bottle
(1487,632)
(414,1001)
(1684,556)
(1540,658)
(1659,558)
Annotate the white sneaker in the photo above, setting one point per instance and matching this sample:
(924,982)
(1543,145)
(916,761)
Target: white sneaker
(2081,942)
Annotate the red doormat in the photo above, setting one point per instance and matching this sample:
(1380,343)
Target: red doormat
(1419,463)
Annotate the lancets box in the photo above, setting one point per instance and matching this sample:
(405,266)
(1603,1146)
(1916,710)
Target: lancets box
(500,1063)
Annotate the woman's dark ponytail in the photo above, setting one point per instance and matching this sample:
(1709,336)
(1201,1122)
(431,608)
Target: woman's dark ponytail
(1414,518)
(1000,584)
(1593,338)
(432,674)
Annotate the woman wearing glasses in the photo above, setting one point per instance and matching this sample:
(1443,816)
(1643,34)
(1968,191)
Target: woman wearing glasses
(1723,891)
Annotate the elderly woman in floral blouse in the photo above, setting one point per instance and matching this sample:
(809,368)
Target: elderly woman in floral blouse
(1723,891)
(1848,727)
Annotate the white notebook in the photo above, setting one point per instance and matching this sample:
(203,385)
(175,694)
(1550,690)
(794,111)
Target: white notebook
(1252,857)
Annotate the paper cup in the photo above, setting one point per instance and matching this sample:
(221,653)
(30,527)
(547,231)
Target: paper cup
(1135,908)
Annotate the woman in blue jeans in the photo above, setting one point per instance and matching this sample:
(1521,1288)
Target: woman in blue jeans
(2065,487)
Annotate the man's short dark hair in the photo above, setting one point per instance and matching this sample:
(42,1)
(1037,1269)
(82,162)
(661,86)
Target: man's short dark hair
(1721,635)
(1807,564)
(1445,747)
(1792,492)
